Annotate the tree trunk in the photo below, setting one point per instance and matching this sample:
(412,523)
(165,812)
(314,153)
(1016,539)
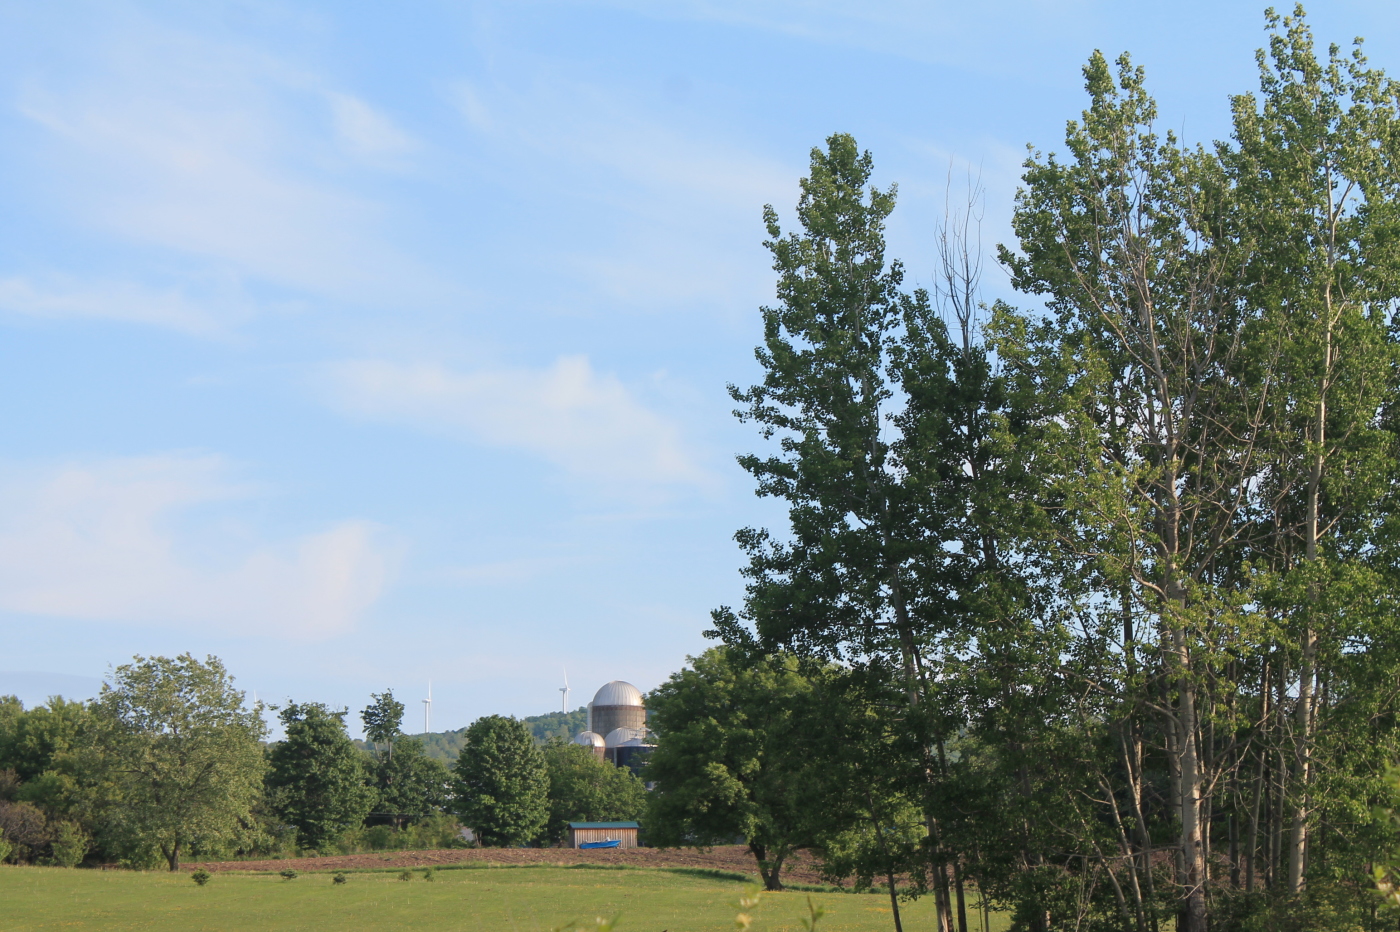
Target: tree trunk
(770,871)
(172,854)
(962,898)
(1193,906)
(894,901)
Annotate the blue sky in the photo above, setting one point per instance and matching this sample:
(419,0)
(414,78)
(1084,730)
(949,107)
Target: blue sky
(363,345)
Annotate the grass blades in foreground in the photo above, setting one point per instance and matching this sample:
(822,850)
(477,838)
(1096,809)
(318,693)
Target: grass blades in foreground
(500,899)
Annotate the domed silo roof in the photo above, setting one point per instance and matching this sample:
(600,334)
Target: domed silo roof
(618,693)
(626,737)
(589,739)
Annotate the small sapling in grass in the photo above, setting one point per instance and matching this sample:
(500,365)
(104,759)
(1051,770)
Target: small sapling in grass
(288,874)
(338,878)
(201,877)
(405,875)
(430,874)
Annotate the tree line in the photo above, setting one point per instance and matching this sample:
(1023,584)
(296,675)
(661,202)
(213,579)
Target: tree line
(170,762)
(1106,583)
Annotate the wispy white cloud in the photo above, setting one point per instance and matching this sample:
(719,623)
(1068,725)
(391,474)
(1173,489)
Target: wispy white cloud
(570,119)
(113,540)
(676,193)
(227,155)
(366,130)
(585,422)
(64,298)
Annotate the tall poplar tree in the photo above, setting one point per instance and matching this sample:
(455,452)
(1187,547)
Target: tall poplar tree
(1317,169)
(877,418)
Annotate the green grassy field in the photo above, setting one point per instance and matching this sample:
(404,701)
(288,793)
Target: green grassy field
(519,899)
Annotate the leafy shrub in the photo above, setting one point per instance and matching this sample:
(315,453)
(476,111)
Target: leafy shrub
(380,837)
(288,874)
(26,829)
(405,875)
(339,878)
(436,830)
(70,845)
(201,877)
(5,847)
(430,874)
(1323,907)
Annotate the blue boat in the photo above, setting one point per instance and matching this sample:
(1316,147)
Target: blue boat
(610,843)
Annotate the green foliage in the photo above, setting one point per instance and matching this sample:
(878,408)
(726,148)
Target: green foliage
(287,874)
(502,785)
(583,788)
(201,877)
(339,879)
(409,784)
(379,837)
(70,844)
(557,724)
(430,874)
(316,779)
(382,720)
(436,830)
(32,741)
(6,848)
(9,784)
(405,876)
(443,746)
(176,755)
(729,764)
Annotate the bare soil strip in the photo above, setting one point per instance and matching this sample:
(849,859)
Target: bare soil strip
(732,858)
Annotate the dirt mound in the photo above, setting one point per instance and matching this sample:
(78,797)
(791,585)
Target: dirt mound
(733,858)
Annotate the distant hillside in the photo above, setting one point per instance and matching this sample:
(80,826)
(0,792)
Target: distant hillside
(563,724)
(446,745)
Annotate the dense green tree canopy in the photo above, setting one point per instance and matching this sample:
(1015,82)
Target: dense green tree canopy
(31,740)
(317,780)
(177,755)
(728,763)
(502,786)
(1133,557)
(410,784)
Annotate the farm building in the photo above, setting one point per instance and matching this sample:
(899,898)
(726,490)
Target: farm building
(599,833)
(617,726)
(616,705)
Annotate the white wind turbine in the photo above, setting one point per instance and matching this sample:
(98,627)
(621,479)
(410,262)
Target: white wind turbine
(428,708)
(564,706)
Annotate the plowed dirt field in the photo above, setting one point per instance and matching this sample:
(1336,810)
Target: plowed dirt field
(735,858)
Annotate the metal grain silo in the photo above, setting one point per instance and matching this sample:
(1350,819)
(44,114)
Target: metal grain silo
(616,705)
(594,742)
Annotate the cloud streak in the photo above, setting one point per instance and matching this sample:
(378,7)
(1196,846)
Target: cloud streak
(222,153)
(585,422)
(114,540)
(131,302)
